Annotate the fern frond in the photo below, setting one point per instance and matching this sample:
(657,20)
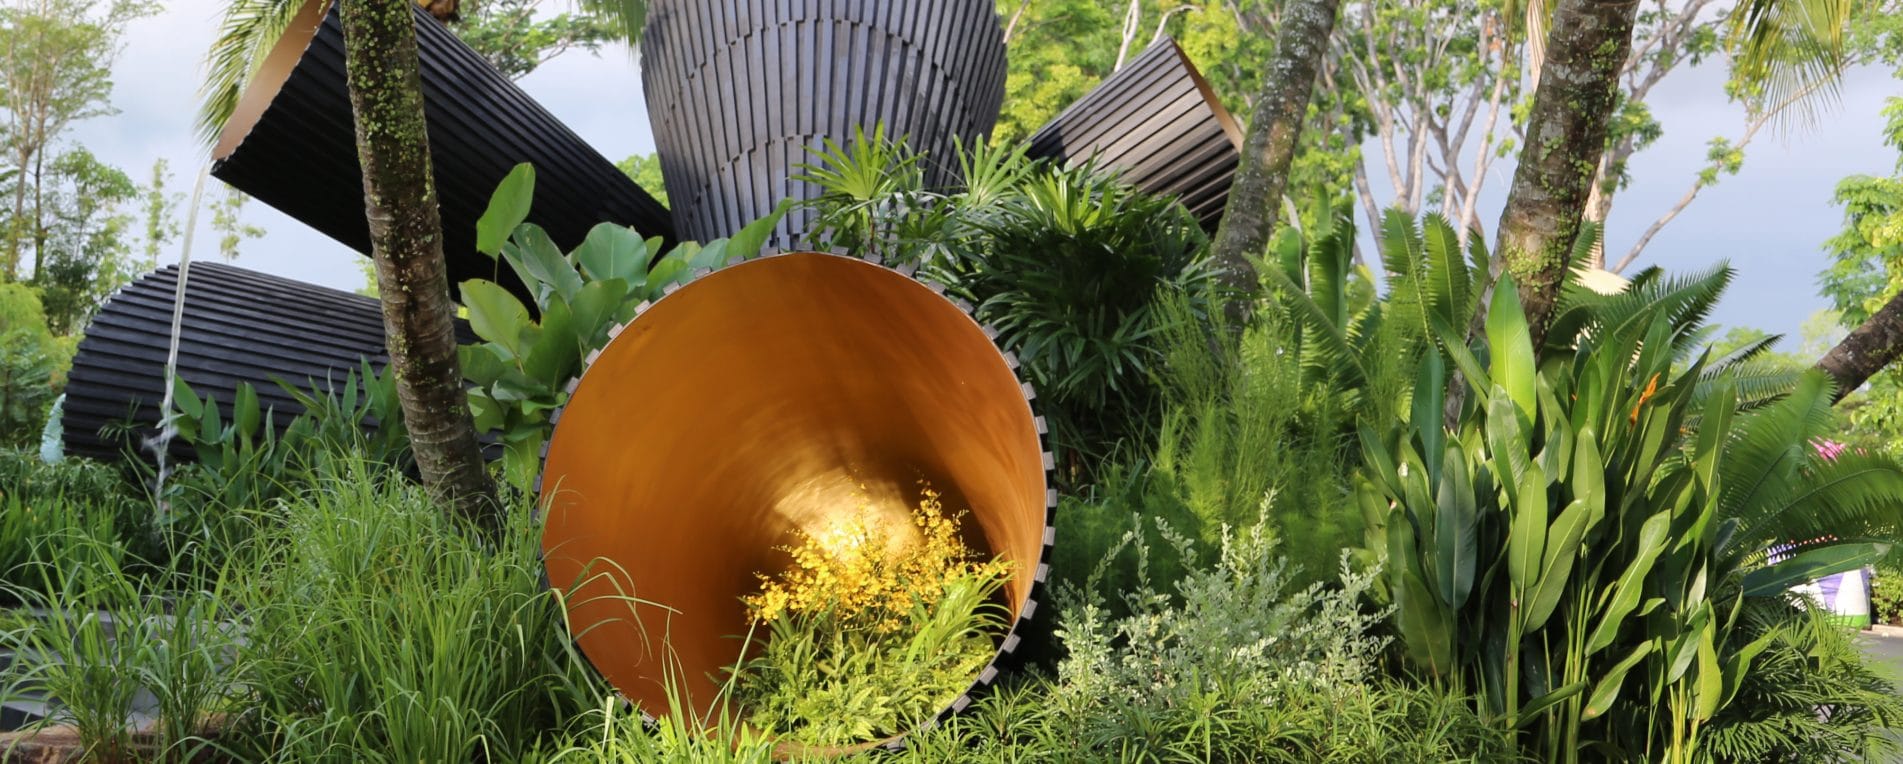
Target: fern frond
(246,35)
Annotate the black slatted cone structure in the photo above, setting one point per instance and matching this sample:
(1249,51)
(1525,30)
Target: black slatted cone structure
(741,93)
(1157,123)
(291,143)
(841,384)
(239,326)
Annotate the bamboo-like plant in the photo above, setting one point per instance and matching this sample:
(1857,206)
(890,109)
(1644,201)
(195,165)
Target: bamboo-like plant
(1578,549)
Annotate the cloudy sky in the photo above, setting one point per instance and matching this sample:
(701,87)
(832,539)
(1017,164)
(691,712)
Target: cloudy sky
(1768,221)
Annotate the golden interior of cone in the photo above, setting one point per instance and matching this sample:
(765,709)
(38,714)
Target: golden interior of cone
(790,392)
(265,83)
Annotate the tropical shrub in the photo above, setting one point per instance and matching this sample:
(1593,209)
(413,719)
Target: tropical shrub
(33,365)
(1069,265)
(1233,665)
(522,367)
(1579,547)
(871,631)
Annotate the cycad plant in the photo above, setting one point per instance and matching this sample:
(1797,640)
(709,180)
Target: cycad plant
(1578,550)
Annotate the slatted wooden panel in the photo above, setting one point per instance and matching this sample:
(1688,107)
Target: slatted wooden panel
(740,91)
(239,326)
(301,155)
(1158,124)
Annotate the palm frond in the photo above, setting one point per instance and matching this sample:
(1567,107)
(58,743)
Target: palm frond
(246,35)
(1763,465)
(1791,51)
(630,15)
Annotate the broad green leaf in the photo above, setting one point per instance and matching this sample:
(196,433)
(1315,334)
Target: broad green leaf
(1507,442)
(554,356)
(185,399)
(1711,678)
(1430,398)
(669,270)
(1606,692)
(1589,477)
(481,365)
(1425,628)
(245,416)
(594,310)
(533,254)
(1812,564)
(613,252)
(485,410)
(1631,583)
(1510,345)
(1556,566)
(1530,712)
(1456,531)
(752,237)
(508,207)
(1526,543)
(494,314)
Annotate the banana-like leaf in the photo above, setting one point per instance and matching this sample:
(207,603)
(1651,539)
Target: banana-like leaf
(1456,531)
(1625,592)
(508,207)
(613,252)
(1430,398)
(1510,345)
(494,314)
(1811,564)
(1606,692)
(1526,541)
(1557,563)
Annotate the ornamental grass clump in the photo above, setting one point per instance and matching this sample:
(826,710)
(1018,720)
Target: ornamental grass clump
(871,630)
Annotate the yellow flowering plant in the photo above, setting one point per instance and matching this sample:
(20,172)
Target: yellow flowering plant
(871,629)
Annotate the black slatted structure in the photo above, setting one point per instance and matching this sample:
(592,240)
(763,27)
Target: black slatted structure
(239,326)
(1158,124)
(291,143)
(740,91)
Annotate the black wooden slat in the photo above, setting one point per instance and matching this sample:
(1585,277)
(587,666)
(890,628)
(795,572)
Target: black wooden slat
(1157,123)
(239,326)
(301,154)
(741,92)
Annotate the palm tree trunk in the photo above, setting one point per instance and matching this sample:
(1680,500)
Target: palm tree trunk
(1267,149)
(386,98)
(1565,138)
(1866,350)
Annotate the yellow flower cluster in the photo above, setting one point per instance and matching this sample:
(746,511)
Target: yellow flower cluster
(853,573)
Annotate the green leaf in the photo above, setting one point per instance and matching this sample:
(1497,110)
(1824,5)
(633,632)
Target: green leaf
(486,411)
(186,399)
(245,416)
(1812,564)
(752,237)
(508,207)
(613,252)
(1456,528)
(1425,627)
(534,255)
(494,314)
(1711,678)
(1530,712)
(1430,398)
(1526,544)
(482,365)
(1631,584)
(669,270)
(1589,477)
(594,310)
(1556,566)
(1510,344)
(1607,690)
(552,359)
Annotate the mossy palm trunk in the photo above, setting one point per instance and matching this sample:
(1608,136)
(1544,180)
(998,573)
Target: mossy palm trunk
(386,98)
(1565,136)
(1269,147)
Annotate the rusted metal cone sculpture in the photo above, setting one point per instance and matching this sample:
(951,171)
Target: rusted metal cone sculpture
(291,143)
(1157,123)
(741,94)
(767,398)
(238,326)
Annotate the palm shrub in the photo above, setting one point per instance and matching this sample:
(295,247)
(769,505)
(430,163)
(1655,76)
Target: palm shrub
(1578,550)
(1069,265)
(520,369)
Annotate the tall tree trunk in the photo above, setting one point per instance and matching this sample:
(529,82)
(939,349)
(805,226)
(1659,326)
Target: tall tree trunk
(1565,138)
(1280,109)
(1867,349)
(386,99)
